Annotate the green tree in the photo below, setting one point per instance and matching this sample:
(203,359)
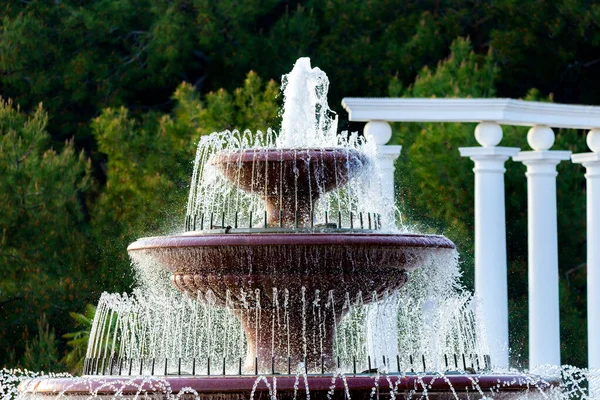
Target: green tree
(432,179)
(80,57)
(41,352)
(149,164)
(43,238)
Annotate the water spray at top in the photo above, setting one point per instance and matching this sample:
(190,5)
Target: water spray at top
(307,119)
(303,176)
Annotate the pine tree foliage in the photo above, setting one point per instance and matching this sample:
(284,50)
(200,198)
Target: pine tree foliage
(42,231)
(41,352)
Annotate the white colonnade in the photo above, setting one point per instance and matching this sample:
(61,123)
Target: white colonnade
(490,220)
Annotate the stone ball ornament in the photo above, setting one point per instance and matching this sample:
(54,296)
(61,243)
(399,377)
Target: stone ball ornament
(540,137)
(378,131)
(593,140)
(488,134)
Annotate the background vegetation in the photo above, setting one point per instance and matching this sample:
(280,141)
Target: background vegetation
(109,97)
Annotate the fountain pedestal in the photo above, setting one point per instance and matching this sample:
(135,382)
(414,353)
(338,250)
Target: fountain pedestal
(279,343)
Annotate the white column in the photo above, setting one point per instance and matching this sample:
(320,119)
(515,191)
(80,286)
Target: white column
(490,236)
(591,161)
(544,322)
(379,133)
(382,317)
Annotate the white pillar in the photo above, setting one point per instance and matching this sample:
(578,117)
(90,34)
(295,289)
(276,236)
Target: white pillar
(382,318)
(591,161)
(544,322)
(380,132)
(490,236)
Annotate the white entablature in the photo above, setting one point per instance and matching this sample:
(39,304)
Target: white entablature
(501,111)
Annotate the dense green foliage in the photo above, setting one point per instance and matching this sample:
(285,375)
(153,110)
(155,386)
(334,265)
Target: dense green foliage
(44,232)
(79,56)
(110,73)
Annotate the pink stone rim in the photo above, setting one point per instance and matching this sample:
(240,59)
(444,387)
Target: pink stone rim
(294,239)
(108,385)
(287,154)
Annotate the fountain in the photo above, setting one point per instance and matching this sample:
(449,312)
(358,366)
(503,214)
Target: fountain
(278,238)
(285,252)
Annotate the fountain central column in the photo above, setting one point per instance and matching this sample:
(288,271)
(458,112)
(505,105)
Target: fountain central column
(279,340)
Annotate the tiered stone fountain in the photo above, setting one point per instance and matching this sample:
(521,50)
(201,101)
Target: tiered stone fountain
(290,249)
(288,253)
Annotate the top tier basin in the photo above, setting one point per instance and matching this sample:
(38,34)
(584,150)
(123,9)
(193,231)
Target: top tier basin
(289,180)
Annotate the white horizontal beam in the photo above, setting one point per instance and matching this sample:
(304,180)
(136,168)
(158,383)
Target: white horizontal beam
(502,111)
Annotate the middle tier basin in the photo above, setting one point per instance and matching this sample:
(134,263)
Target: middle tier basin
(245,271)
